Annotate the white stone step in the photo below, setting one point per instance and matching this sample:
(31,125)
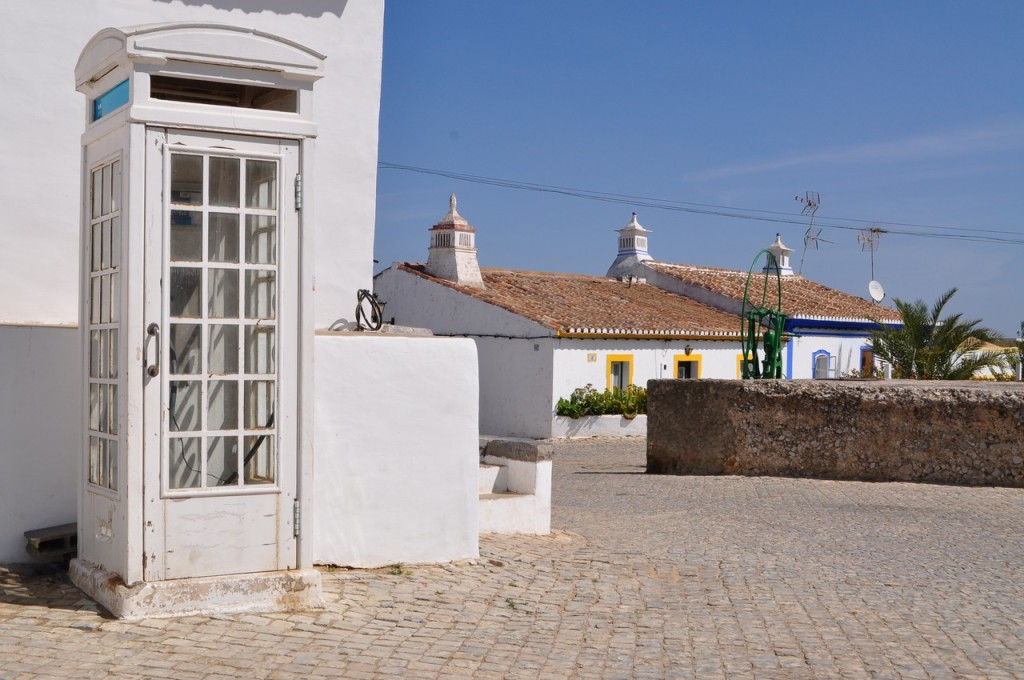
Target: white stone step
(493,478)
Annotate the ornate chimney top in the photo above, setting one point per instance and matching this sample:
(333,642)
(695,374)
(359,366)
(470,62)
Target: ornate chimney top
(781,252)
(452,252)
(632,248)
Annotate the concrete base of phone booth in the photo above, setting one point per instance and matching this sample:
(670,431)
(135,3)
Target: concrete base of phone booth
(274,591)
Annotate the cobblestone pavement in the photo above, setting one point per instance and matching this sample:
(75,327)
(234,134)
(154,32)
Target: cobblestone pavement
(646,576)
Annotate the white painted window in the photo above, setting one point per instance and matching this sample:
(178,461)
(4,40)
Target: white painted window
(222,307)
(103,310)
(620,375)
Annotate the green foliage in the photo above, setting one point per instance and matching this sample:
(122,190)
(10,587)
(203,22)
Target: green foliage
(928,347)
(586,401)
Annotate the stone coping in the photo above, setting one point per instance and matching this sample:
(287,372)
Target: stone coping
(525,450)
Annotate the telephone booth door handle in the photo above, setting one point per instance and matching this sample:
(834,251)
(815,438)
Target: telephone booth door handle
(153,330)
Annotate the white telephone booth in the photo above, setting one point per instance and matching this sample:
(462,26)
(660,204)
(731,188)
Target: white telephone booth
(196,329)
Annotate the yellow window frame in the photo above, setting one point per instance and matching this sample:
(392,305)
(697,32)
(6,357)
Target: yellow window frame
(692,358)
(739,366)
(615,358)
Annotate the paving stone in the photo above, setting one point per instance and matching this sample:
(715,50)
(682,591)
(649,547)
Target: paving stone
(644,576)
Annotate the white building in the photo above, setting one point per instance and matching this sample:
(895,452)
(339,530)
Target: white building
(541,335)
(173,89)
(827,329)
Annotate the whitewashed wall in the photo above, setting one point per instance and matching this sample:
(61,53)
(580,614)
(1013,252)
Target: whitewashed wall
(416,301)
(44,116)
(40,400)
(515,372)
(846,351)
(652,359)
(397,450)
(39,186)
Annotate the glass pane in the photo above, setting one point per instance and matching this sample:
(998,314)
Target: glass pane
(184,401)
(260,294)
(112,366)
(115,242)
(115,187)
(115,297)
(101,462)
(259,349)
(222,461)
(94,301)
(184,294)
(224,181)
(105,244)
(223,294)
(261,184)
(261,239)
(94,460)
(104,299)
(94,354)
(184,459)
(222,413)
(97,185)
(105,197)
(186,236)
(186,349)
(103,355)
(94,408)
(112,409)
(223,349)
(223,237)
(260,465)
(112,464)
(186,179)
(259,404)
(95,247)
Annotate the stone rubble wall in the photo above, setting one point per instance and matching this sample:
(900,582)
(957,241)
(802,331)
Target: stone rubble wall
(915,431)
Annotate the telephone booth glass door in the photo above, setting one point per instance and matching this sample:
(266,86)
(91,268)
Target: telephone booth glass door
(220,354)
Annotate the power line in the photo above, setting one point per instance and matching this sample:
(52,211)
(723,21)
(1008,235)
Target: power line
(969,234)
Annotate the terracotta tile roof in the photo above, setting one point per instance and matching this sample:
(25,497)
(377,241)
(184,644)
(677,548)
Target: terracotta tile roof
(801,297)
(575,304)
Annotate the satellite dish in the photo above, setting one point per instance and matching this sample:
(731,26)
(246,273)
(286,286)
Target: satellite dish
(876,291)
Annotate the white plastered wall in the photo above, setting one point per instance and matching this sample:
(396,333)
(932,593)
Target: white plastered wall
(514,376)
(397,457)
(582,362)
(844,350)
(413,300)
(40,388)
(40,43)
(514,369)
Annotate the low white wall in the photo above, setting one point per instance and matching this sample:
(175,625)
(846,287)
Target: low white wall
(598,426)
(40,406)
(396,460)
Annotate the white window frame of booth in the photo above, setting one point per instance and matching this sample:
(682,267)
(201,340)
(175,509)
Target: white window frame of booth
(284,361)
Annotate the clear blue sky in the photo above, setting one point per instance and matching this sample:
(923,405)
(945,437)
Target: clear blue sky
(894,112)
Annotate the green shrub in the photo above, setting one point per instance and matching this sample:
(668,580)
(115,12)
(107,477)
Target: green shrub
(586,401)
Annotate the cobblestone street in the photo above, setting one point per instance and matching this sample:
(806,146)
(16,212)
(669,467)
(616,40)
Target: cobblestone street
(645,576)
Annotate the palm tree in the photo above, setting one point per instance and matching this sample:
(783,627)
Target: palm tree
(928,347)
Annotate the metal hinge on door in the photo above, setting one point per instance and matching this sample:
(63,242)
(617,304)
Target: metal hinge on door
(298,193)
(296,518)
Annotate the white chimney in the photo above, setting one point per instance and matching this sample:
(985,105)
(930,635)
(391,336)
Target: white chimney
(781,252)
(452,252)
(632,248)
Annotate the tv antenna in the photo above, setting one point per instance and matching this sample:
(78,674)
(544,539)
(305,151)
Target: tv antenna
(870,239)
(811,200)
